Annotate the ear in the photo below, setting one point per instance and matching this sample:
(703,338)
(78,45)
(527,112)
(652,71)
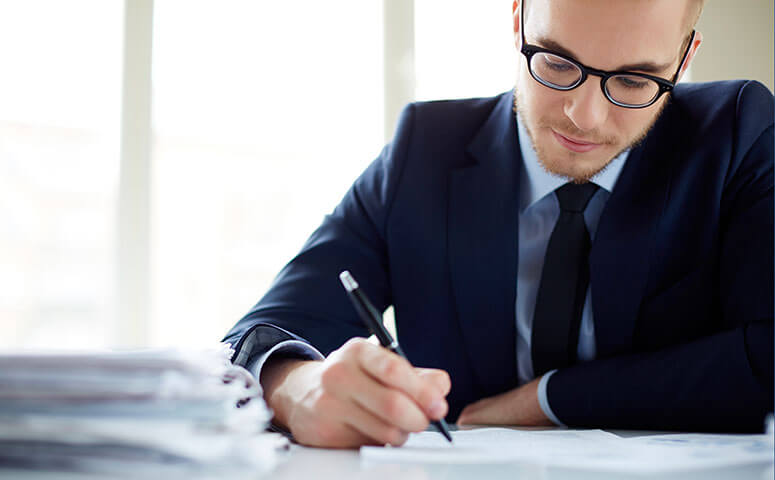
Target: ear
(515,13)
(690,56)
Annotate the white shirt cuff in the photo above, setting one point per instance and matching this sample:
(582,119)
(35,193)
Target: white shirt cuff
(292,347)
(543,401)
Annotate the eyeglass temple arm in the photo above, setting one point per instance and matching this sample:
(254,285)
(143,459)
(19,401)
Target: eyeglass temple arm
(685,55)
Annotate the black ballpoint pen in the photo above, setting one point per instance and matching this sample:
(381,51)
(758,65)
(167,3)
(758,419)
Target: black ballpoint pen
(373,320)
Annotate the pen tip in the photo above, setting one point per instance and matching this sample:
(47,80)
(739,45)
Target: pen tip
(348,281)
(441,426)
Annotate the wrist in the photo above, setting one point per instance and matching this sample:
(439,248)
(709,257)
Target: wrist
(532,409)
(281,384)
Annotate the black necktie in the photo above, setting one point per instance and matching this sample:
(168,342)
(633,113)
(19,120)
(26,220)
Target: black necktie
(564,281)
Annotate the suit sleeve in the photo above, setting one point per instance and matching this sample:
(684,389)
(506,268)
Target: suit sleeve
(307,302)
(721,382)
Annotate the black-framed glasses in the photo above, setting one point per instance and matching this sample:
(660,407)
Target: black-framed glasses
(622,88)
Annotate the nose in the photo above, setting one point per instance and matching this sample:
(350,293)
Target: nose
(586,106)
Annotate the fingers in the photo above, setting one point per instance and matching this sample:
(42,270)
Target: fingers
(439,378)
(348,382)
(396,373)
(362,394)
(375,430)
(391,405)
(321,421)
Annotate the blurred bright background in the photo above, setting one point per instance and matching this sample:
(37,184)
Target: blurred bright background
(160,161)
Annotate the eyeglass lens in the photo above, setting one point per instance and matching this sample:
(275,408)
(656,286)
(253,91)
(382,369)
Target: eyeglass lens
(557,72)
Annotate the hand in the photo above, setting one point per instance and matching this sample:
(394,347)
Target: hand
(516,407)
(362,394)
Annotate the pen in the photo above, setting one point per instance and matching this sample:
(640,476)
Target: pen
(373,320)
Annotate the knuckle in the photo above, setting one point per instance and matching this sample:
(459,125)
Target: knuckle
(426,395)
(354,346)
(390,370)
(393,406)
(333,376)
(440,380)
(446,381)
(348,349)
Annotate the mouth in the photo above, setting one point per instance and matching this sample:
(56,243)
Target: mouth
(574,144)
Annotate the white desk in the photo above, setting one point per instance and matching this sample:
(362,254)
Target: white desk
(301,463)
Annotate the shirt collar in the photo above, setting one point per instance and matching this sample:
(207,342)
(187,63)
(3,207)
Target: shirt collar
(536,183)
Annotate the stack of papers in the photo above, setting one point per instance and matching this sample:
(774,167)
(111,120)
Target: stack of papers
(592,450)
(152,411)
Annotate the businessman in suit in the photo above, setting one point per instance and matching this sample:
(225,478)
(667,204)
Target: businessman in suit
(594,249)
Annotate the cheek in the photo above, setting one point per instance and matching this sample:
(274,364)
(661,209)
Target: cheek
(526,86)
(631,123)
(537,100)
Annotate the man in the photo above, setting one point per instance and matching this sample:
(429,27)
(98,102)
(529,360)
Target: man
(602,259)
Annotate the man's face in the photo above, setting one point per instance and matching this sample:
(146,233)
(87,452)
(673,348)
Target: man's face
(576,133)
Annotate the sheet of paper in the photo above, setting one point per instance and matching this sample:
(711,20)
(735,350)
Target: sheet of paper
(697,450)
(595,450)
(105,412)
(490,445)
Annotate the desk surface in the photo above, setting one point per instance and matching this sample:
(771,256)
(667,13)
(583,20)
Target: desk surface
(322,464)
(302,463)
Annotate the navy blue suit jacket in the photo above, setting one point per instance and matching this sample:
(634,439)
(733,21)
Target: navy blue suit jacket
(681,265)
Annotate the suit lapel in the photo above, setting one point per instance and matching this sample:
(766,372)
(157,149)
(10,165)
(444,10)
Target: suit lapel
(623,245)
(482,223)
(483,244)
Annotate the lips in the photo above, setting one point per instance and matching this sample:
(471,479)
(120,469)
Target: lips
(573,144)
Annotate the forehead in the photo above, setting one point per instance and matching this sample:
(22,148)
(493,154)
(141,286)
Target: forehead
(608,33)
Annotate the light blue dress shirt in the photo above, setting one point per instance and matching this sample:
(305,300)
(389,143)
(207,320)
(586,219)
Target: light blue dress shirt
(539,210)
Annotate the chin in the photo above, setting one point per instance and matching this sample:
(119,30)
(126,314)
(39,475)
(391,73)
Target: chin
(579,167)
(574,166)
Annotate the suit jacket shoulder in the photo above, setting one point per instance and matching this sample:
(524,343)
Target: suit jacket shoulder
(730,113)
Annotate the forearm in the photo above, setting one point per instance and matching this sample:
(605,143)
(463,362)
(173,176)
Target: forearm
(713,383)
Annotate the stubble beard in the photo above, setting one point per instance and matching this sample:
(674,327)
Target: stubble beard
(553,165)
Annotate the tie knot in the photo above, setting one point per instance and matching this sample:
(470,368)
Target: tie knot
(574,197)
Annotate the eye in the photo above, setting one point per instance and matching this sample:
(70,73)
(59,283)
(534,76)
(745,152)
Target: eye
(557,64)
(632,83)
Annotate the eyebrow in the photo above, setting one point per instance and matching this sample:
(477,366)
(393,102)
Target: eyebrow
(647,67)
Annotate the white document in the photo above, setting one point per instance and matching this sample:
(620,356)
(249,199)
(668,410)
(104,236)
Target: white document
(580,450)
(106,412)
(696,450)
(491,445)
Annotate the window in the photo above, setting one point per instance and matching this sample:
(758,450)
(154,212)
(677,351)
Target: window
(264,114)
(463,48)
(58,171)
